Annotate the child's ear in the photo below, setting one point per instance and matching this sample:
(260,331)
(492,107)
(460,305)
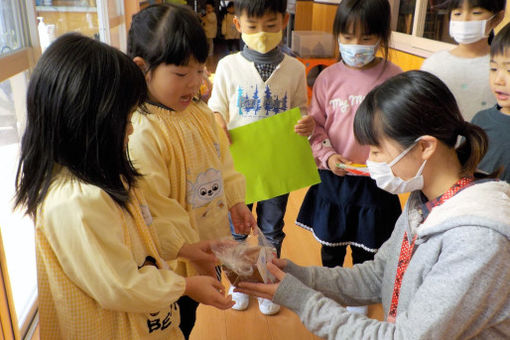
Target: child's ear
(237,23)
(140,62)
(498,18)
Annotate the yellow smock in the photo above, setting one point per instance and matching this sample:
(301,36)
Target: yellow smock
(95,276)
(184,158)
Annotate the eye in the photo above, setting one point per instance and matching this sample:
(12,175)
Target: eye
(215,187)
(203,192)
(180,74)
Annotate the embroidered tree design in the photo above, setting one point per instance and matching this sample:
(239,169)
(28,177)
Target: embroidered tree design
(284,103)
(268,100)
(240,100)
(256,101)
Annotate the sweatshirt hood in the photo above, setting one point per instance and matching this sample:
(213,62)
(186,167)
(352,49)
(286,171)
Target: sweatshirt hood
(485,205)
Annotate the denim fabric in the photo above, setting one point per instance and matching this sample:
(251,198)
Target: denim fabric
(270,215)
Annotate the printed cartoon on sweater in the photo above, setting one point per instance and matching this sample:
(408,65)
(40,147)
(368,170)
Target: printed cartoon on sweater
(207,187)
(251,103)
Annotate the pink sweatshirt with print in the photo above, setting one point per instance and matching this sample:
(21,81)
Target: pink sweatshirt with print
(337,94)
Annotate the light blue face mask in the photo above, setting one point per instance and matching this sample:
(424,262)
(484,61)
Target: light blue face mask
(357,55)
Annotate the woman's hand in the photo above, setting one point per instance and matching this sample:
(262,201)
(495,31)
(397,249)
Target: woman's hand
(305,126)
(209,291)
(335,159)
(265,290)
(242,219)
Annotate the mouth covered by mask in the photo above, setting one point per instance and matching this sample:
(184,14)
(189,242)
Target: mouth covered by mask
(468,32)
(262,42)
(385,179)
(357,55)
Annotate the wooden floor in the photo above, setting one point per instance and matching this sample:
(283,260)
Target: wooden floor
(301,247)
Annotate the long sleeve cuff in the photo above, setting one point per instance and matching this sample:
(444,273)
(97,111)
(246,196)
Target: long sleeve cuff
(171,240)
(293,294)
(324,158)
(299,272)
(235,191)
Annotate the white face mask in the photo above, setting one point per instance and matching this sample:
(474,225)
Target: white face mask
(385,179)
(357,55)
(468,32)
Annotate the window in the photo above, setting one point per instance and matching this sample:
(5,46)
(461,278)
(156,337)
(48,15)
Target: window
(420,27)
(17,230)
(11,32)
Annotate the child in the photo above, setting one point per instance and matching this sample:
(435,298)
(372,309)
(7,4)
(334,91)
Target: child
(228,29)
(210,23)
(464,69)
(453,238)
(349,210)
(101,274)
(260,68)
(176,143)
(496,120)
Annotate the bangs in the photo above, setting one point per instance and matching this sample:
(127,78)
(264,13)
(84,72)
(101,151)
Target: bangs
(165,33)
(180,40)
(257,8)
(501,43)
(372,17)
(493,6)
(349,25)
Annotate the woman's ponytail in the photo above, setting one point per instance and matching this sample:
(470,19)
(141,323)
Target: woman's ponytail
(473,148)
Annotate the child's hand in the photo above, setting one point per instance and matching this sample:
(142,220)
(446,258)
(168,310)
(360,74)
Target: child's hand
(336,159)
(209,291)
(242,219)
(223,124)
(263,290)
(199,253)
(305,126)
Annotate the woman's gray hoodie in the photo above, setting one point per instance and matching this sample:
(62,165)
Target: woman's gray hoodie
(457,285)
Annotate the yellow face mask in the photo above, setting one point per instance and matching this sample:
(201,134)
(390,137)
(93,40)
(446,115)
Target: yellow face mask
(262,42)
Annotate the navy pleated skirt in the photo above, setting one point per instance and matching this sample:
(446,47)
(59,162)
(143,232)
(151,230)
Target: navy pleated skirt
(349,210)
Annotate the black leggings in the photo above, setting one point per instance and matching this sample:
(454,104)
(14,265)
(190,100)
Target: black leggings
(334,256)
(188,309)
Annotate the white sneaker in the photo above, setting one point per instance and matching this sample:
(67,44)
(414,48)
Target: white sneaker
(363,310)
(267,307)
(241,300)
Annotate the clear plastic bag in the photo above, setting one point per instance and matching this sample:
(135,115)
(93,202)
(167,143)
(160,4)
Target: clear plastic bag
(246,261)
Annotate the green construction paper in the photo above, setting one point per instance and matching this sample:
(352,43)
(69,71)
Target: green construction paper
(274,159)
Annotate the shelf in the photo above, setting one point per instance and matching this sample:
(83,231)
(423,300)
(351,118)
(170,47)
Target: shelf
(79,9)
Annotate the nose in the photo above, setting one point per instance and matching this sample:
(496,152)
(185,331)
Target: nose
(500,77)
(196,81)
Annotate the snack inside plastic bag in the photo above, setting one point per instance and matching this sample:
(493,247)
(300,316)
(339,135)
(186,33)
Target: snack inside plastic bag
(246,261)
